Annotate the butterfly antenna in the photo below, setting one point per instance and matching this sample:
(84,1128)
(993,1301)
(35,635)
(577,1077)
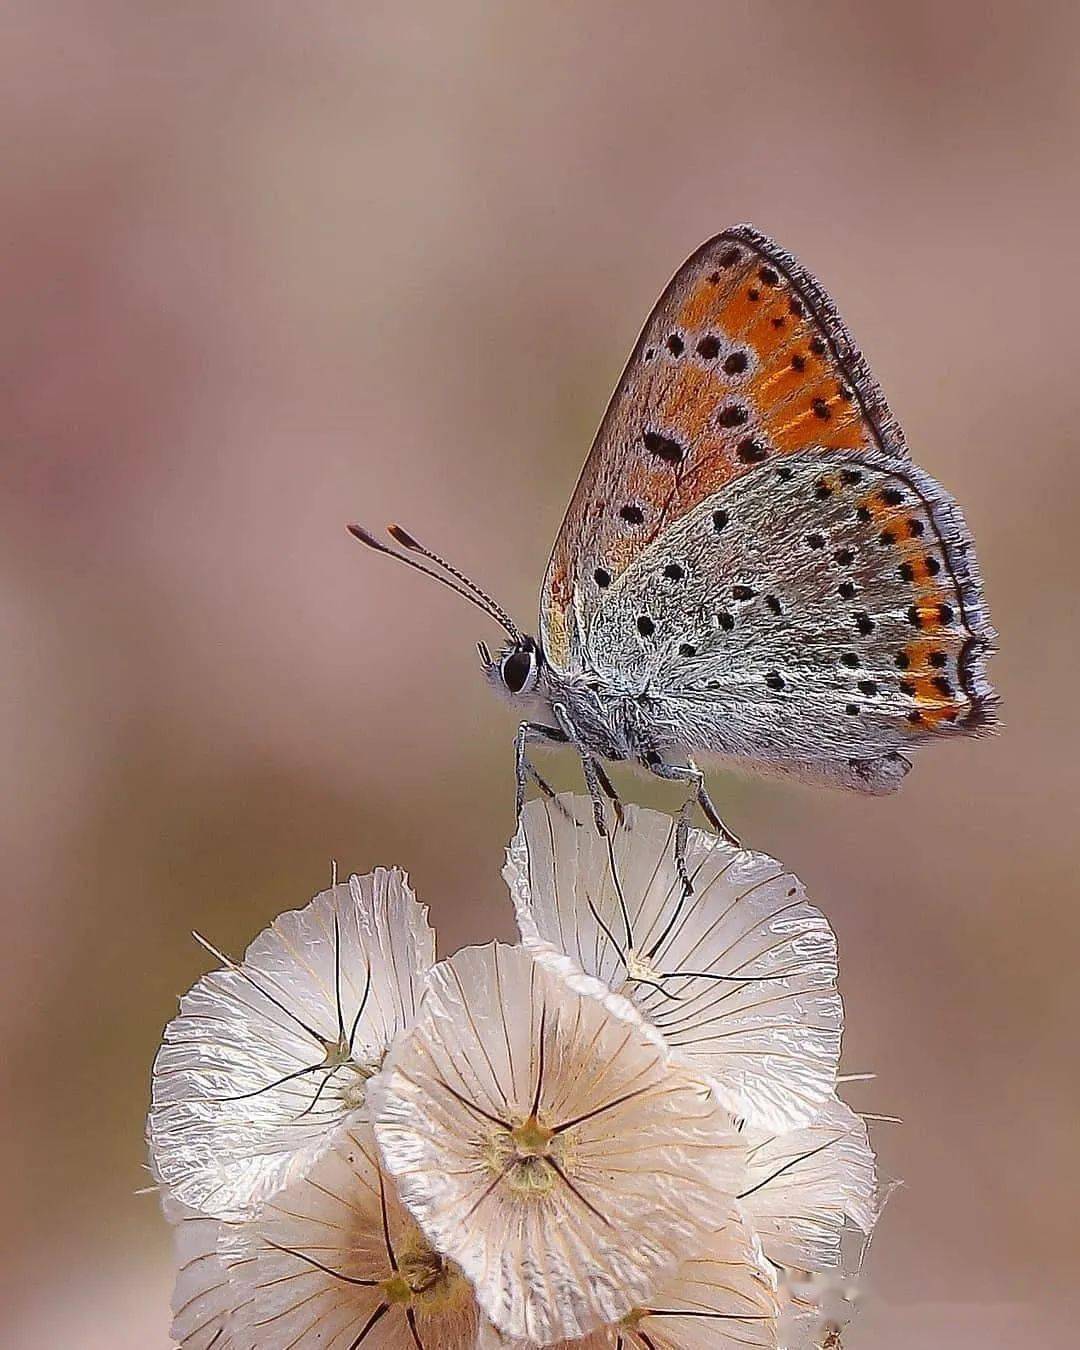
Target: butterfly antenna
(496,610)
(467,589)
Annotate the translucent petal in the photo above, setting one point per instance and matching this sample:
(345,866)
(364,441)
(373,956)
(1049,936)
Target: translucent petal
(204,1300)
(740,977)
(268,1056)
(543,1141)
(720,1300)
(335,1261)
(805,1184)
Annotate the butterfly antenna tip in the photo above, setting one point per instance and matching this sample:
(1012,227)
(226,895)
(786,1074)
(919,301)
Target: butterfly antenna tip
(456,580)
(404,538)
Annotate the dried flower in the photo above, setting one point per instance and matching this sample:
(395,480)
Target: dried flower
(203,1299)
(268,1055)
(722,1299)
(806,1185)
(739,977)
(335,1259)
(623,1135)
(543,1141)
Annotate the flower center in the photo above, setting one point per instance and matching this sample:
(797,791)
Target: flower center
(396,1289)
(527,1157)
(531,1138)
(424,1278)
(639,967)
(339,1055)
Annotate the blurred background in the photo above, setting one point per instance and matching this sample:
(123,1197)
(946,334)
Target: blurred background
(270,267)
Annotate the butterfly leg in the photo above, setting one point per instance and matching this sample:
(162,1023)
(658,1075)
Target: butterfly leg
(609,788)
(689,773)
(598,783)
(709,811)
(536,733)
(594,775)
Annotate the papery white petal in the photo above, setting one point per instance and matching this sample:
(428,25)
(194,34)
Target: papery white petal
(759,1014)
(637,1162)
(804,1185)
(267,1056)
(205,1300)
(335,1261)
(720,1300)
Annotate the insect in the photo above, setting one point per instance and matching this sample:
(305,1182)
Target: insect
(751,566)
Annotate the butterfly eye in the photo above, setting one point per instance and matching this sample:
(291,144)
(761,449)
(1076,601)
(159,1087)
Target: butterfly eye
(518,669)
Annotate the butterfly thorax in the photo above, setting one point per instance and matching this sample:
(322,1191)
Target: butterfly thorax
(612,717)
(614,714)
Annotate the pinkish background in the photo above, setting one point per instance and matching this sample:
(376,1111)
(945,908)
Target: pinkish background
(269,267)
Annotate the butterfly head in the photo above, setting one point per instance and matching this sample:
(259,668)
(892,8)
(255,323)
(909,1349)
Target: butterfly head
(517,669)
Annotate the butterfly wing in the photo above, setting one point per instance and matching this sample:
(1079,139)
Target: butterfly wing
(743,360)
(820,612)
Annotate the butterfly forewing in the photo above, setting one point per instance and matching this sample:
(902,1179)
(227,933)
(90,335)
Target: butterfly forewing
(743,361)
(821,608)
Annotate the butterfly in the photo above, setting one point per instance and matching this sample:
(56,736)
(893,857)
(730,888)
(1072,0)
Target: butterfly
(751,565)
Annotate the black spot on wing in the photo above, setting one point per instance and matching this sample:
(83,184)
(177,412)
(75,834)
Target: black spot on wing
(664,447)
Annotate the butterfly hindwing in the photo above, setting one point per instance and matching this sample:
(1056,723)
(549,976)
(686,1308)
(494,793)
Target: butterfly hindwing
(820,609)
(743,361)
